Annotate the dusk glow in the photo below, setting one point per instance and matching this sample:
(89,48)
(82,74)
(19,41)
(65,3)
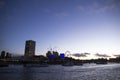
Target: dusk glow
(78,26)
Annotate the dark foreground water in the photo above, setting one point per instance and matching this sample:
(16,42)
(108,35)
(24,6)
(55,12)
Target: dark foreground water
(58,72)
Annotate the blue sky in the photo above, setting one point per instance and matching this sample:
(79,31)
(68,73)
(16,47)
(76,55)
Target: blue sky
(66,25)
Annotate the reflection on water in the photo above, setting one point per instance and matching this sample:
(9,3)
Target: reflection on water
(58,72)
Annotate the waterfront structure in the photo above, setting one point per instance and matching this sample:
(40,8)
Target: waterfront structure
(8,55)
(48,54)
(3,54)
(55,54)
(30,48)
(62,55)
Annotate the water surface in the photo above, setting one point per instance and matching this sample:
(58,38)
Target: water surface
(58,72)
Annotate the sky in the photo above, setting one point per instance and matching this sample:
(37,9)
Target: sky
(77,26)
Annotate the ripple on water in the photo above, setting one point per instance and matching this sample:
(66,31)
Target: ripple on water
(57,72)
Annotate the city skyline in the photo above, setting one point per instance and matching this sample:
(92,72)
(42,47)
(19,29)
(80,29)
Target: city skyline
(64,25)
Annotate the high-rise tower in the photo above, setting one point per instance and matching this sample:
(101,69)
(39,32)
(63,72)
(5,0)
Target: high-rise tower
(30,48)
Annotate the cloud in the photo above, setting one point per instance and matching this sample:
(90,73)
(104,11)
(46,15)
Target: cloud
(81,8)
(80,54)
(117,55)
(101,55)
(56,13)
(87,53)
(100,7)
(61,14)
(47,10)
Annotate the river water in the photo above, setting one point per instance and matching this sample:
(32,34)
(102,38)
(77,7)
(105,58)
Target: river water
(58,72)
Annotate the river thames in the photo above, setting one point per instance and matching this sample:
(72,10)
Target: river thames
(58,72)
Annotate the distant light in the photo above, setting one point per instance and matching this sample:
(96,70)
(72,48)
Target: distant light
(62,55)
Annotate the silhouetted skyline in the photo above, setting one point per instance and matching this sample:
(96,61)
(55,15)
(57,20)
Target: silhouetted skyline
(77,26)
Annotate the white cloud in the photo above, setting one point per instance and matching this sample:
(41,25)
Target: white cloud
(61,14)
(56,13)
(47,10)
(80,8)
(98,7)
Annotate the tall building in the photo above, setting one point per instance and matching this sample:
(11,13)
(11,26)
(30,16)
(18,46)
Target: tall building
(30,48)
(3,54)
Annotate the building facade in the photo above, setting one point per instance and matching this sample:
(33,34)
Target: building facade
(30,48)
